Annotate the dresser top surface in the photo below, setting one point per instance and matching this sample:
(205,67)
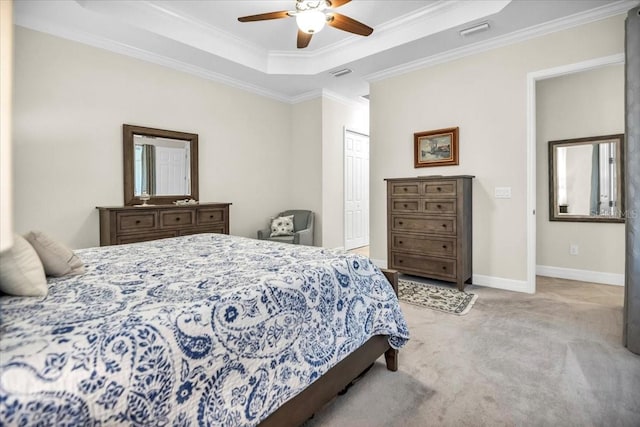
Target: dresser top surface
(431,177)
(171,206)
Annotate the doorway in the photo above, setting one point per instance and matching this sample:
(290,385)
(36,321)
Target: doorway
(532,78)
(356,189)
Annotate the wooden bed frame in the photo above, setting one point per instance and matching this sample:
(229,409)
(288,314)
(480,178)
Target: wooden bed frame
(300,408)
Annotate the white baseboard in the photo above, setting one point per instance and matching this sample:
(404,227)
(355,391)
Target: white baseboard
(582,275)
(502,283)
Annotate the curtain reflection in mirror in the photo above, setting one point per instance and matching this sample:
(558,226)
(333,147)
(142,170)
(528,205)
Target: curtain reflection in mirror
(145,169)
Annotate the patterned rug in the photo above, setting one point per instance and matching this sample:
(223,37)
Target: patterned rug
(435,297)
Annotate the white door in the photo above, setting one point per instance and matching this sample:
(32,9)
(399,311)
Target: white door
(356,190)
(170,171)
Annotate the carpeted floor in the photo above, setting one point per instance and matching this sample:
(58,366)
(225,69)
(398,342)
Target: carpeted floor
(550,359)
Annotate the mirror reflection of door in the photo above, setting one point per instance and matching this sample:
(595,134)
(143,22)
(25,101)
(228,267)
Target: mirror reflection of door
(161,166)
(586,181)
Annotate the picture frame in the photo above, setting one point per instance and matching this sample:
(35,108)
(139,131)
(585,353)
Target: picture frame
(436,148)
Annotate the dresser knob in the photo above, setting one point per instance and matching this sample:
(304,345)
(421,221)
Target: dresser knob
(439,206)
(439,189)
(211,216)
(444,246)
(400,222)
(137,221)
(405,189)
(400,242)
(400,261)
(444,225)
(405,205)
(178,219)
(444,268)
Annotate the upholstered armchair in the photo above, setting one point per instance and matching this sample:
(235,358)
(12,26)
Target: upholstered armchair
(302,228)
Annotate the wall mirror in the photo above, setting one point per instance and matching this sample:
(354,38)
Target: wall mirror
(586,179)
(161,163)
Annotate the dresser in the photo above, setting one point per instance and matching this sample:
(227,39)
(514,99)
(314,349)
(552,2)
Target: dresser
(429,227)
(130,224)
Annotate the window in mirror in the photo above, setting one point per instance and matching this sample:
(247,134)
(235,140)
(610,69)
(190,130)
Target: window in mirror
(586,181)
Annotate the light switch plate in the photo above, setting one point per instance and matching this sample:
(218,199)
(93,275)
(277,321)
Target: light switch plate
(502,192)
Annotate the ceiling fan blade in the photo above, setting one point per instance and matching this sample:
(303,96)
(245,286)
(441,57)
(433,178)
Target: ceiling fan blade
(350,25)
(337,3)
(303,39)
(264,16)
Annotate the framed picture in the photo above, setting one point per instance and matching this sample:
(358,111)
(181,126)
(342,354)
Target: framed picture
(436,148)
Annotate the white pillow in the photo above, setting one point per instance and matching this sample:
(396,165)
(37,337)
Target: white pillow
(282,226)
(57,259)
(21,272)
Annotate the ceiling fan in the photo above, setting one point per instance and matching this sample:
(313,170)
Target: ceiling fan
(311,16)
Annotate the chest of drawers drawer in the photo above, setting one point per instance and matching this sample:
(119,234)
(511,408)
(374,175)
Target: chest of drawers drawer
(435,267)
(210,216)
(429,245)
(439,188)
(136,221)
(171,219)
(424,224)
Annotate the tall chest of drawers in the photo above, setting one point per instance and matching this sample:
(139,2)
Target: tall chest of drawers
(130,224)
(429,227)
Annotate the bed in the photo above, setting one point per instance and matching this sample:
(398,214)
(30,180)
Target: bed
(207,329)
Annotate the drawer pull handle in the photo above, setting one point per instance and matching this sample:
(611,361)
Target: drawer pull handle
(444,268)
(439,206)
(439,189)
(400,222)
(211,216)
(400,261)
(400,242)
(444,225)
(444,246)
(137,221)
(405,189)
(405,205)
(178,219)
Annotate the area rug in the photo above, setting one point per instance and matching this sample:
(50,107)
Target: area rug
(435,297)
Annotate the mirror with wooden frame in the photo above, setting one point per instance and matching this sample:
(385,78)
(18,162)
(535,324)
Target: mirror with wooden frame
(586,179)
(162,164)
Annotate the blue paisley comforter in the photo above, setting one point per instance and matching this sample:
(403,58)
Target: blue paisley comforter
(198,330)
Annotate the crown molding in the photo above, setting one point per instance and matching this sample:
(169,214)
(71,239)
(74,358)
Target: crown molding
(540,30)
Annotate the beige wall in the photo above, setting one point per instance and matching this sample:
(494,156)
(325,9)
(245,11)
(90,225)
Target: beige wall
(70,101)
(485,95)
(306,161)
(6,68)
(336,116)
(578,105)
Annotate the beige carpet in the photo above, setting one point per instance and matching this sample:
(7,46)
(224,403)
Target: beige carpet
(550,359)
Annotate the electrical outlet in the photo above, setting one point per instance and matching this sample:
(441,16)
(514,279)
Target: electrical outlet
(573,249)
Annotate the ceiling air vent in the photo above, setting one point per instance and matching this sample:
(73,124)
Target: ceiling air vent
(340,73)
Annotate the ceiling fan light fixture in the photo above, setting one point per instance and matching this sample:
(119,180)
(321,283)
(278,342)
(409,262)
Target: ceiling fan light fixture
(311,21)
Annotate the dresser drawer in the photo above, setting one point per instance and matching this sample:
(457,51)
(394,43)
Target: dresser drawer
(177,218)
(405,189)
(403,262)
(212,229)
(209,216)
(424,224)
(133,238)
(127,222)
(405,205)
(439,188)
(437,246)
(439,207)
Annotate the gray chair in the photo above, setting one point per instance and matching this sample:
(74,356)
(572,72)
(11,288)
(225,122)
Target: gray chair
(302,229)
